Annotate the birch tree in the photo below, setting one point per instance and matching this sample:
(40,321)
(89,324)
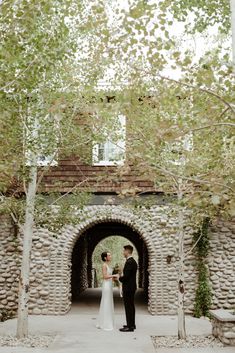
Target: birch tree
(40,100)
(182,157)
(163,111)
(180,136)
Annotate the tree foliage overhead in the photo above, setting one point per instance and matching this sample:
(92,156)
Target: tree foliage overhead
(54,54)
(206,13)
(40,83)
(171,96)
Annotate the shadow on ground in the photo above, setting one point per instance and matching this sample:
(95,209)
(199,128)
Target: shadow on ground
(89,301)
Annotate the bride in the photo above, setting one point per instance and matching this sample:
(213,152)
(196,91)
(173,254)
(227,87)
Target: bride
(106,312)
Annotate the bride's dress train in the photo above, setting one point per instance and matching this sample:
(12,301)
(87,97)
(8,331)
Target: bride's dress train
(106,312)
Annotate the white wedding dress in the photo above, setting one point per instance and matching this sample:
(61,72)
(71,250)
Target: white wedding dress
(106,312)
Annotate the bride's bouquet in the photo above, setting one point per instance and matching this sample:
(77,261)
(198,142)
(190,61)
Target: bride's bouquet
(117,271)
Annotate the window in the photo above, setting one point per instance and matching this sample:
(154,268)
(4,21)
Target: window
(112,151)
(41,140)
(176,150)
(45,160)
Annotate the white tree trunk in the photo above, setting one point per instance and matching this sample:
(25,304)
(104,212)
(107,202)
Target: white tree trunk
(181,316)
(22,321)
(232,7)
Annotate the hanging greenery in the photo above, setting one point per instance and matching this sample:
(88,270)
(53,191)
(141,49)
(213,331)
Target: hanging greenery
(203,293)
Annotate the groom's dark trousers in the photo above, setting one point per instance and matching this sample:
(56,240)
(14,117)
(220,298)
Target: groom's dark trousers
(128,281)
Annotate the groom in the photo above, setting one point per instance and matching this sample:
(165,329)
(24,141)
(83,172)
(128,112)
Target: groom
(128,281)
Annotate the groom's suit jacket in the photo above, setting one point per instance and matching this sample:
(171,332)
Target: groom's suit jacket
(128,279)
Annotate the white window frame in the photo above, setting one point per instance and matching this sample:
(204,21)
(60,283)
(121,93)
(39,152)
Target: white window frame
(42,160)
(119,145)
(185,143)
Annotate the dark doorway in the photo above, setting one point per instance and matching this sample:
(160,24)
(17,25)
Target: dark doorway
(82,266)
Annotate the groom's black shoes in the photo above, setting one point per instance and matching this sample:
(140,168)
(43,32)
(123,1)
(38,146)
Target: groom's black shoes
(134,327)
(127,329)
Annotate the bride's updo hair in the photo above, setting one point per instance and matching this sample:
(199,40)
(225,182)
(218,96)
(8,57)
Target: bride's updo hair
(104,256)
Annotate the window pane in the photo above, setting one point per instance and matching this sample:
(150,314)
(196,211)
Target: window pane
(111,152)
(38,140)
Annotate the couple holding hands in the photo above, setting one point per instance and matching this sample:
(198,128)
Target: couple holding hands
(128,281)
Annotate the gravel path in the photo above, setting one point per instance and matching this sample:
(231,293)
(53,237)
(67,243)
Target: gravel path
(31,341)
(190,342)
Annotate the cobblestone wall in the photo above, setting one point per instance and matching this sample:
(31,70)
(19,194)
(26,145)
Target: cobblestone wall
(225,331)
(50,280)
(10,258)
(221,264)
(223,325)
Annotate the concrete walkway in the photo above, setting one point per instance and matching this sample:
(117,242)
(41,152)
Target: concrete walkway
(76,331)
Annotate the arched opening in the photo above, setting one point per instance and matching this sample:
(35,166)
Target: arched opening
(114,244)
(60,284)
(82,274)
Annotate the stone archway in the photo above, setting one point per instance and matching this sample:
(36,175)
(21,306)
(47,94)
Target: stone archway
(61,254)
(84,248)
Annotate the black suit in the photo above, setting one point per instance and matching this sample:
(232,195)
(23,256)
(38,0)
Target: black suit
(128,281)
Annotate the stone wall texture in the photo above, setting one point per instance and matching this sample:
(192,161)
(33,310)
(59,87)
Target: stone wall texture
(10,259)
(221,264)
(50,280)
(223,325)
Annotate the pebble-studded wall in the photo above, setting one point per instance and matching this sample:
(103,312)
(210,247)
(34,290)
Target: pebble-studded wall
(50,279)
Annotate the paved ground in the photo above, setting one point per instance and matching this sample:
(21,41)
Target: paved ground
(76,331)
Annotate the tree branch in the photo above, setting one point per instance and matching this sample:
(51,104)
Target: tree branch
(206,90)
(68,192)
(209,126)
(17,76)
(197,181)
(16,221)
(194,245)
(185,84)
(174,175)
(223,112)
